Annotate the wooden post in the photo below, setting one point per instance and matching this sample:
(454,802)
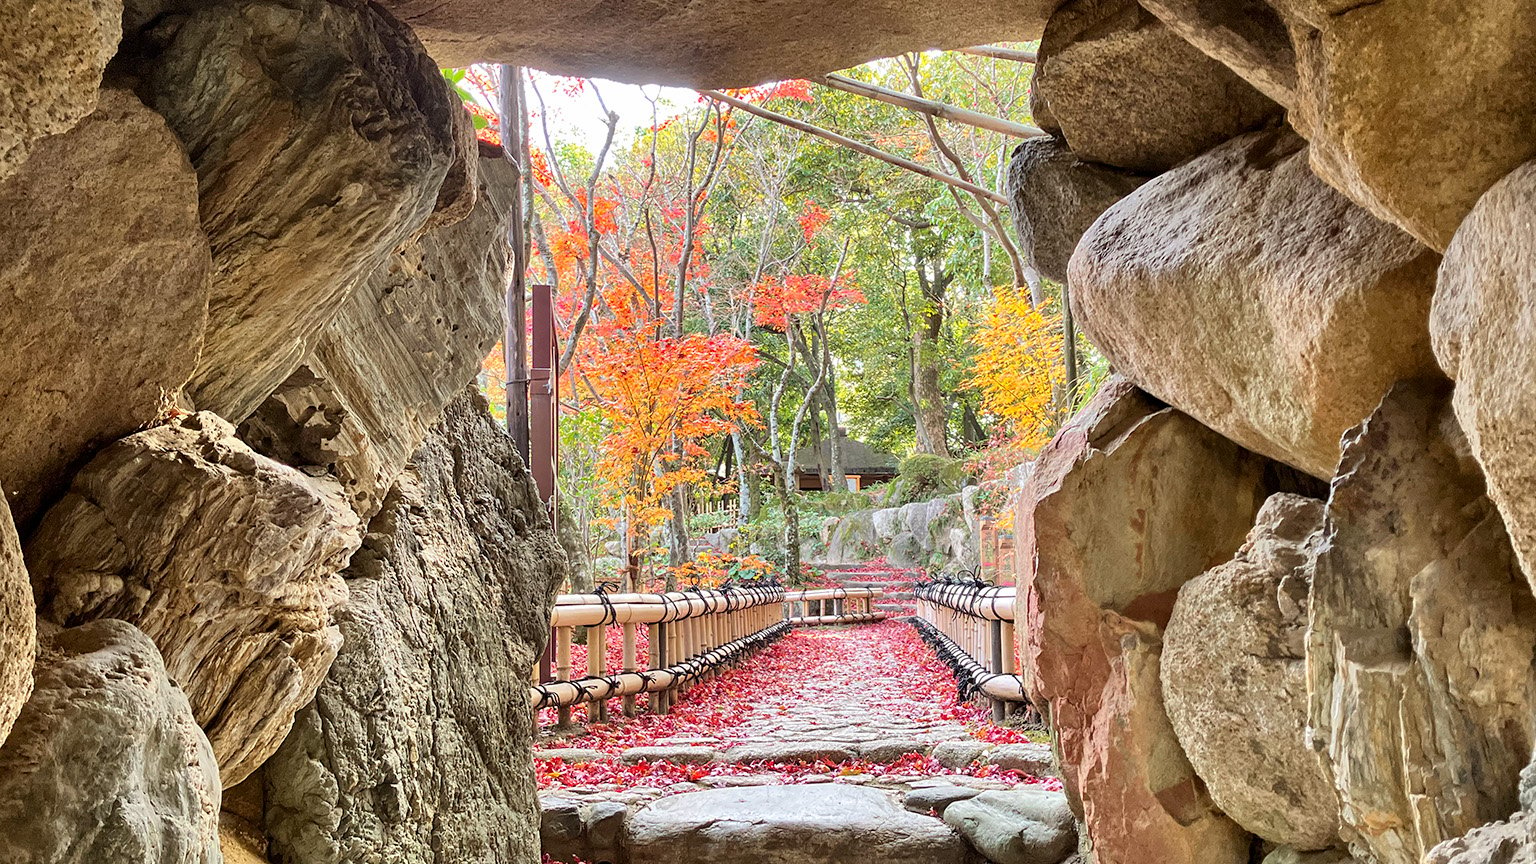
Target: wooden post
(629,664)
(597,664)
(563,667)
(544,396)
(515,339)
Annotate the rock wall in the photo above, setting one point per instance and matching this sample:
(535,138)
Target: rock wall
(417,747)
(940,534)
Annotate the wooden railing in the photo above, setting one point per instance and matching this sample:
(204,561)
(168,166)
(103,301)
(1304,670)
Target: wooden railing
(970,625)
(691,634)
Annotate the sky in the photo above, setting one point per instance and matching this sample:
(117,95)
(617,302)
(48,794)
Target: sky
(576,115)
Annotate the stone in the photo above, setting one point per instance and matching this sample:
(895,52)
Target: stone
(1235,680)
(888,750)
(1291,855)
(1055,197)
(790,751)
(425,711)
(106,764)
(788,825)
(676,755)
(105,252)
(934,799)
(1035,760)
(1483,339)
(1507,842)
(51,59)
(1421,635)
(1128,502)
(955,755)
(18,624)
(571,754)
(1359,65)
(401,347)
(589,831)
(1123,89)
(228,560)
(1247,36)
(1246,292)
(1021,826)
(305,190)
(722,45)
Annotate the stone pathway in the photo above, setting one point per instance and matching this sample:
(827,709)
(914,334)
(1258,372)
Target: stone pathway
(867,706)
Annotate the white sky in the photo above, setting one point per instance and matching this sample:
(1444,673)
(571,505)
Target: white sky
(578,116)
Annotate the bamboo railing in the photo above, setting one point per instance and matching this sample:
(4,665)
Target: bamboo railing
(970,625)
(691,635)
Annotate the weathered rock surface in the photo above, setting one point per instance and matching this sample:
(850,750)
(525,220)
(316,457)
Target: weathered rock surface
(958,754)
(936,799)
(1247,36)
(51,59)
(586,830)
(1019,826)
(18,624)
(1235,682)
(1055,198)
(1421,636)
(939,533)
(1033,759)
(403,345)
(1483,338)
(417,747)
(227,559)
(1246,292)
(788,825)
(106,764)
(716,45)
(1125,90)
(1359,65)
(1130,501)
(1508,842)
(105,254)
(321,133)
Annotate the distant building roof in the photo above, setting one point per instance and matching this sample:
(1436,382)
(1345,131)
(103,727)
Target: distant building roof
(858,458)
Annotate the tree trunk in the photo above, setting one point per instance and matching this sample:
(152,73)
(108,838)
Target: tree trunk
(835,467)
(749,492)
(781,485)
(928,402)
(677,537)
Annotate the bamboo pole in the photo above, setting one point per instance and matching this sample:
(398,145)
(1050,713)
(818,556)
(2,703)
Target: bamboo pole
(999,52)
(563,668)
(597,664)
(629,664)
(931,107)
(856,146)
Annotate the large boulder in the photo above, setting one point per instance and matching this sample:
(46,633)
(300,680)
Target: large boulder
(1131,500)
(418,746)
(51,59)
(1421,636)
(106,764)
(721,44)
(1512,841)
(1235,681)
(228,560)
(1016,826)
(408,339)
(1125,90)
(1243,290)
(789,825)
(1248,36)
(18,624)
(1485,339)
(1360,65)
(1055,197)
(106,266)
(322,134)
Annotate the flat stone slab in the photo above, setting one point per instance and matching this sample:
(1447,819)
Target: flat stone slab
(571,754)
(679,755)
(955,755)
(1018,826)
(789,825)
(790,751)
(1035,759)
(934,799)
(881,752)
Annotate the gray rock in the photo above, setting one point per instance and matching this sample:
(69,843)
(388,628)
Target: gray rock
(1247,36)
(229,560)
(790,751)
(1033,759)
(106,764)
(570,754)
(1509,842)
(588,830)
(305,191)
(1235,683)
(679,755)
(425,713)
(113,202)
(888,750)
(1019,826)
(934,799)
(788,825)
(1123,89)
(401,347)
(1055,196)
(51,59)
(1291,855)
(955,755)
(1415,570)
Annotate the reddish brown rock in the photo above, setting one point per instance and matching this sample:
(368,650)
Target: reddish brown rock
(18,625)
(1130,501)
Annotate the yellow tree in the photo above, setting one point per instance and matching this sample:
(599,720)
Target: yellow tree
(1018,368)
